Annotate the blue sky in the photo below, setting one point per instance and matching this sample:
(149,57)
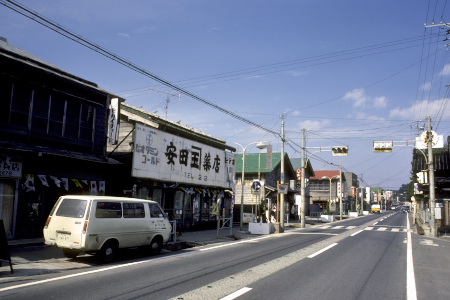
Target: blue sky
(349,72)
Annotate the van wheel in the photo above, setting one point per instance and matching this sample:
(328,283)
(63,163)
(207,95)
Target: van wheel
(155,246)
(108,252)
(69,253)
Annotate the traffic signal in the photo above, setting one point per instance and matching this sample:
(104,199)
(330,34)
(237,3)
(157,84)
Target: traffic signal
(339,151)
(382,146)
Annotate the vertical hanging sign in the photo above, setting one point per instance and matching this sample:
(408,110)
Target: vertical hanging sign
(269,157)
(113,122)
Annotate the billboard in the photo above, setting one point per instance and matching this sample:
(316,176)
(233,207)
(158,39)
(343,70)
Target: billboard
(162,156)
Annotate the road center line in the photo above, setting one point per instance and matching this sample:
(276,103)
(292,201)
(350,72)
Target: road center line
(236,294)
(323,250)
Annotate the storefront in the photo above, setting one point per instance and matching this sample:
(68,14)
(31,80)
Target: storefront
(30,184)
(192,181)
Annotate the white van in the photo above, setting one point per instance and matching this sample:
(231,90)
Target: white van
(101,225)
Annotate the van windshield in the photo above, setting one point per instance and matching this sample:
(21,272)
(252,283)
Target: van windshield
(72,208)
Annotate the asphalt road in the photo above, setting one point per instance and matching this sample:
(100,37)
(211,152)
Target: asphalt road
(362,258)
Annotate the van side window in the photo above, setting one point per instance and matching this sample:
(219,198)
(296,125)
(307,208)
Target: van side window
(155,211)
(133,210)
(72,208)
(108,210)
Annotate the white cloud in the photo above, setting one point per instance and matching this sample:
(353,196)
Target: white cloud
(427,86)
(313,125)
(417,109)
(357,96)
(364,116)
(445,71)
(360,99)
(380,101)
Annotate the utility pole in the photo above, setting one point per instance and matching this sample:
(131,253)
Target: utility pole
(432,204)
(340,191)
(362,201)
(282,178)
(303,182)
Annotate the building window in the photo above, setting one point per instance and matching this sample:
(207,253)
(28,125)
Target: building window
(41,110)
(46,112)
(20,105)
(320,185)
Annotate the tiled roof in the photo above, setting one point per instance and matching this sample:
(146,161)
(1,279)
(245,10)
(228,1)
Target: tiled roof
(14,53)
(326,173)
(252,160)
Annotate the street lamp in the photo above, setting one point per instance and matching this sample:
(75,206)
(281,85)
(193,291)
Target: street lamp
(244,149)
(260,146)
(330,178)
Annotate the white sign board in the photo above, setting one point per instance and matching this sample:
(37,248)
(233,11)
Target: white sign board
(10,168)
(163,156)
(437,141)
(113,122)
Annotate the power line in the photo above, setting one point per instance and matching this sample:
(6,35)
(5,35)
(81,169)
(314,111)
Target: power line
(84,42)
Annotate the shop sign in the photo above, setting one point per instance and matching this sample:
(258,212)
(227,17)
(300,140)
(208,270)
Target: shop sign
(10,168)
(163,156)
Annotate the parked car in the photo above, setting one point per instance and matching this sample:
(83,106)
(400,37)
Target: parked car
(101,225)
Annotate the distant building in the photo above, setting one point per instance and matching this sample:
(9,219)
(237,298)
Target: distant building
(257,168)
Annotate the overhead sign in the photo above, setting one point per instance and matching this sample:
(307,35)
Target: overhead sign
(163,156)
(437,141)
(382,146)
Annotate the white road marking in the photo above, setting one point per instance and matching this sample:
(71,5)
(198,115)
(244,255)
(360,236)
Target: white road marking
(323,250)
(236,294)
(353,234)
(86,273)
(411,293)
(395,229)
(382,229)
(236,243)
(120,266)
(375,223)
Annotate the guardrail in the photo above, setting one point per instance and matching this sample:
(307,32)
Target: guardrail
(227,223)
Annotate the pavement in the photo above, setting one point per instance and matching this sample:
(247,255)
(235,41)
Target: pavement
(30,257)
